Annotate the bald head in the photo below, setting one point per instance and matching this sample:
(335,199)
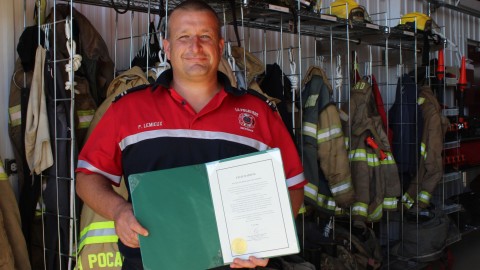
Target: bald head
(197,6)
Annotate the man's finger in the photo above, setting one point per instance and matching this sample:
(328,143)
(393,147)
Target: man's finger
(137,228)
(252,262)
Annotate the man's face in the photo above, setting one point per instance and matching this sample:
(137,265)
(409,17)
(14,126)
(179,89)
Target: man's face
(194,47)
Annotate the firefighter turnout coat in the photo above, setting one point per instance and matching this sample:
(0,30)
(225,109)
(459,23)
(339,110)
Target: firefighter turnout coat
(98,247)
(13,249)
(374,172)
(430,169)
(325,156)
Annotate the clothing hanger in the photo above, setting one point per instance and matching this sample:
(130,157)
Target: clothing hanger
(46,29)
(293,67)
(293,80)
(162,64)
(320,61)
(278,57)
(338,74)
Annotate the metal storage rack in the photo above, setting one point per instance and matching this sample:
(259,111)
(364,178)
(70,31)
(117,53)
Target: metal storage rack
(320,27)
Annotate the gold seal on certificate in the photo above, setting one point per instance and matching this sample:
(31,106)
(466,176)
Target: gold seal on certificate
(239,246)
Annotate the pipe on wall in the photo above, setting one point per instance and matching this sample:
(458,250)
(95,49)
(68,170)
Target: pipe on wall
(438,4)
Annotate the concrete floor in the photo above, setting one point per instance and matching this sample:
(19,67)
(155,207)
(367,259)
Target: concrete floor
(466,253)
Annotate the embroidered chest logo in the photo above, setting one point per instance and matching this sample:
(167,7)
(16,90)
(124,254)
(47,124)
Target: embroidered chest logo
(247,121)
(247,118)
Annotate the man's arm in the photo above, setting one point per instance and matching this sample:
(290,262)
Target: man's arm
(296,200)
(97,192)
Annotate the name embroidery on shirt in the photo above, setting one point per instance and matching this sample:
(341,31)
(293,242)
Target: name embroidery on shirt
(150,125)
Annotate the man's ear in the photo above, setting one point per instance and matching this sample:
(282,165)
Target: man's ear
(166,48)
(221,45)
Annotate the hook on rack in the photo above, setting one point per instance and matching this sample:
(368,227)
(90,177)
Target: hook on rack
(338,73)
(278,57)
(293,65)
(230,58)
(67,28)
(46,30)
(320,61)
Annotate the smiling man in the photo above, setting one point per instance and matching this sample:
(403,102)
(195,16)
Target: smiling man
(199,117)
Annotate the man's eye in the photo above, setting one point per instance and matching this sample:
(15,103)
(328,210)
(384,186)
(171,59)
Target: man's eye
(205,37)
(184,37)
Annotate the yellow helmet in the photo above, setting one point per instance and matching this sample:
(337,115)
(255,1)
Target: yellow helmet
(355,11)
(423,22)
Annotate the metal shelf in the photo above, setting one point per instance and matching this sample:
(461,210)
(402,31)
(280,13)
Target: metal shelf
(453,176)
(261,15)
(451,145)
(450,112)
(451,208)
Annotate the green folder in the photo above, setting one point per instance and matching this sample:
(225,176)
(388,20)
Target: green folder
(176,207)
(181,223)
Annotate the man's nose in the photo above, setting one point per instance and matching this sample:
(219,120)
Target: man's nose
(196,43)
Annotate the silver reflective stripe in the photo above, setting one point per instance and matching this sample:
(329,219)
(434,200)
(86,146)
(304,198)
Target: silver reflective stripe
(340,188)
(329,133)
(310,190)
(310,129)
(297,179)
(424,196)
(390,203)
(358,154)
(359,210)
(195,134)
(88,166)
(98,232)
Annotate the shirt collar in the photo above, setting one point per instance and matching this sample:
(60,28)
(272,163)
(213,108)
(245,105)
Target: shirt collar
(166,77)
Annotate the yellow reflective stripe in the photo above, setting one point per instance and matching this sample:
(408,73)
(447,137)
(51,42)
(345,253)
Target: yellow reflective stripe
(357,155)
(388,160)
(423,150)
(326,202)
(15,113)
(376,214)
(310,190)
(330,133)
(311,101)
(359,209)
(424,197)
(3,175)
(390,203)
(302,209)
(85,118)
(341,187)
(310,129)
(347,140)
(339,211)
(373,160)
(98,240)
(98,232)
(420,100)
(407,200)
(98,225)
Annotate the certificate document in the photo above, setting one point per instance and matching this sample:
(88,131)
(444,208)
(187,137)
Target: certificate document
(252,207)
(205,215)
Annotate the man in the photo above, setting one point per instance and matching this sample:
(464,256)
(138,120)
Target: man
(191,115)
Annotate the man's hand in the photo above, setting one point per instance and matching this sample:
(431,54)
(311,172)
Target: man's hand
(127,226)
(252,262)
